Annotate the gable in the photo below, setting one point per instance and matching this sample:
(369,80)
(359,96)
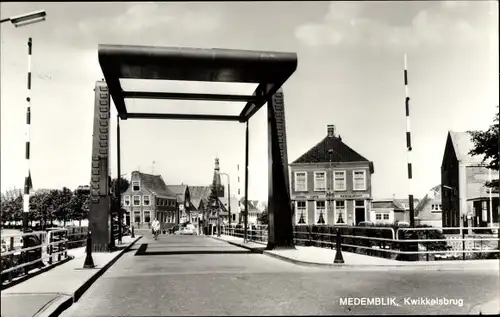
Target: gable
(341,152)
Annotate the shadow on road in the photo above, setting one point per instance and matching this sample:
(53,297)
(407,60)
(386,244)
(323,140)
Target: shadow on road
(142,251)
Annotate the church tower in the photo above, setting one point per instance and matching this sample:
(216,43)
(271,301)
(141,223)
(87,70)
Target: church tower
(216,182)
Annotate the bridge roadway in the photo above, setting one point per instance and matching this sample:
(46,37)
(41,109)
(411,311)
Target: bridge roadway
(198,275)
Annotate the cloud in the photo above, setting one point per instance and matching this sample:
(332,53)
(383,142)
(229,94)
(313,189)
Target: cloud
(154,19)
(345,24)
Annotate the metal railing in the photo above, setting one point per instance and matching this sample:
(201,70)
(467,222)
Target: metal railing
(423,244)
(32,250)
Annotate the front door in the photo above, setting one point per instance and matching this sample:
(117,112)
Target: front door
(359,210)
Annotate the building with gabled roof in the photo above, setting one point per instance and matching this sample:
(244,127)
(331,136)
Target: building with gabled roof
(183,199)
(391,210)
(465,198)
(148,197)
(429,210)
(331,184)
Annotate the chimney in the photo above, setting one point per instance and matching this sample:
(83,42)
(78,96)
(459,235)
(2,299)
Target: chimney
(331,130)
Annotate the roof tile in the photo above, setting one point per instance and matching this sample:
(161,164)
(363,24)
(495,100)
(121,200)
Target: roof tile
(341,152)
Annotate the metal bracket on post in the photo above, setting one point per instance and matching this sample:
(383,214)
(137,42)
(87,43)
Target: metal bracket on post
(89,262)
(338,253)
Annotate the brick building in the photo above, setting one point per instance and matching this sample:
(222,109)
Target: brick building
(429,210)
(465,198)
(391,210)
(183,201)
(331,184)
(146,198)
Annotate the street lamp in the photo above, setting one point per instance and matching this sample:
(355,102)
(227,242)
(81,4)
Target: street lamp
(228,195)
(26,19)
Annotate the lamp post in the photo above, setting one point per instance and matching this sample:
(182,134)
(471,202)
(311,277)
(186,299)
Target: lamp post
(228,195)
(26,19)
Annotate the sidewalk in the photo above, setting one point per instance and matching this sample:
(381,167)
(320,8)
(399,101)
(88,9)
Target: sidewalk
(322,257)
(53,291)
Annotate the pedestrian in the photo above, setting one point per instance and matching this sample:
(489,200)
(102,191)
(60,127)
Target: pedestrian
(156,228)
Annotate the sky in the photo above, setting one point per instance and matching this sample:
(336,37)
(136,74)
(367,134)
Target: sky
(349,73)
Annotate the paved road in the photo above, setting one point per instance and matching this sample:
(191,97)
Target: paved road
(189,276)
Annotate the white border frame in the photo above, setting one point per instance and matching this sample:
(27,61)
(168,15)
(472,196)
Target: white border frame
(335,183)
(316,213)
(354,181)
(314,181)
(140,200)
(295,182)
(297,216)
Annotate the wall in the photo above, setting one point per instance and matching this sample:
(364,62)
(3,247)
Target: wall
(347,195)
(426,216)
(143,191)
(374,211)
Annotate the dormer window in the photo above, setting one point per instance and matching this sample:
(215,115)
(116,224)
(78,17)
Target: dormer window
(136,186)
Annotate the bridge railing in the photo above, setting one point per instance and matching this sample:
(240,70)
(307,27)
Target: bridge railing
(422,244)
(24,252)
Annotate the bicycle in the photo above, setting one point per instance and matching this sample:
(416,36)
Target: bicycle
(156,234)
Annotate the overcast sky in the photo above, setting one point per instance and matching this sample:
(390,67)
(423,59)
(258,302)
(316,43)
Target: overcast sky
(350,74)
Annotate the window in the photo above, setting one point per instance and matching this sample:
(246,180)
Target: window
(339,216)
(320,216)
(126,200)
(146,201)
(359,180)
(301,212)
(386,216)
(136,186)
(436,207)
(300,181)
(137,200)
(378,216)
(319,181)
(147,216)
(137,216)
(340,181)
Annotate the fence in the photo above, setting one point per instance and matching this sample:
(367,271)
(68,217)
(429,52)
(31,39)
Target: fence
(27,251)
(422,244)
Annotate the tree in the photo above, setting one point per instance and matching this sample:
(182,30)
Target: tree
(40,203)
(486,144)
(264,217)
(80,205)
(61,204)
(11,206)
(124,185)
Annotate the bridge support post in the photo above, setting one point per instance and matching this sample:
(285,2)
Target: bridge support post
(279,206)
(100,200)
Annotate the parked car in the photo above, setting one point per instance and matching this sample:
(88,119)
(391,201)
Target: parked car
(365,224)
(188,230)
(403,224)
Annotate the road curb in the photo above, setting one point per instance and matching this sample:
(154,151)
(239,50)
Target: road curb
(350,266)
(61,306)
